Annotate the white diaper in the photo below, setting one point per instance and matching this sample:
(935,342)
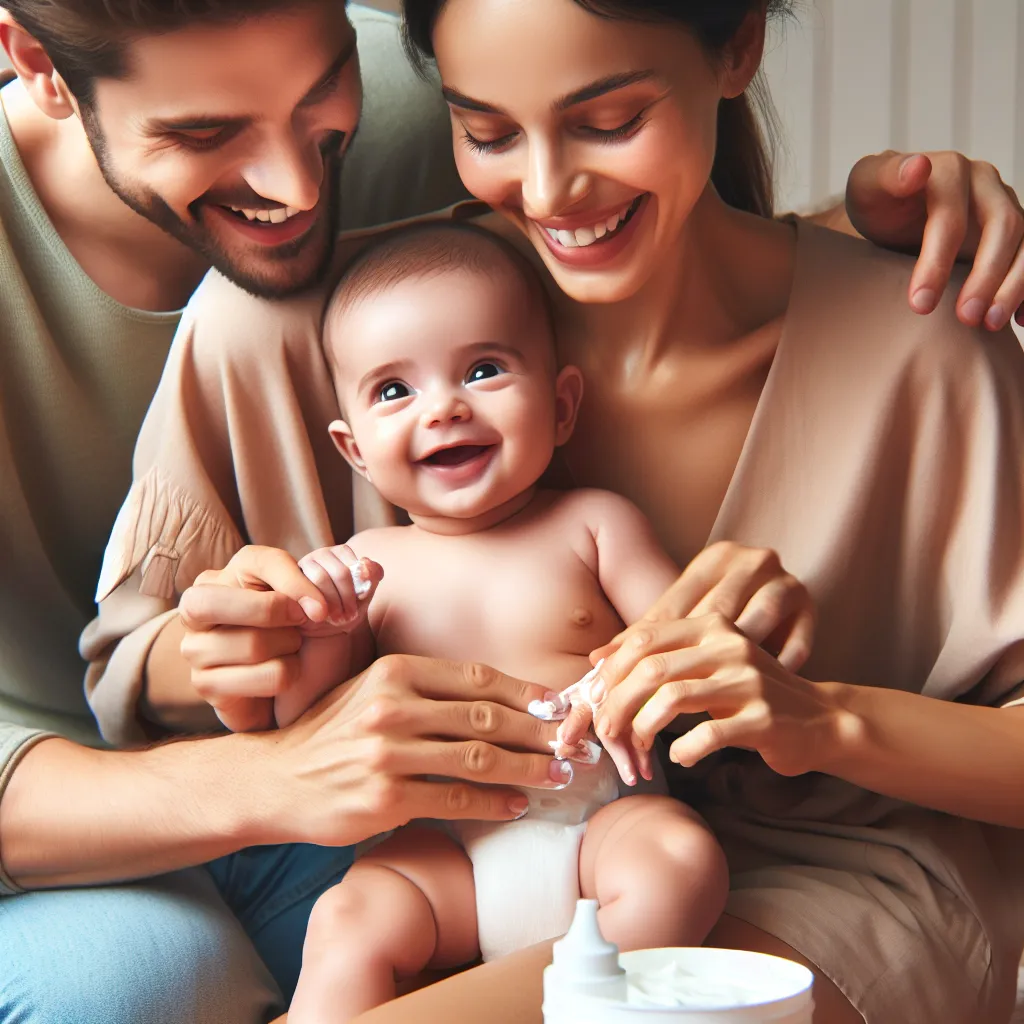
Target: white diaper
(527,872)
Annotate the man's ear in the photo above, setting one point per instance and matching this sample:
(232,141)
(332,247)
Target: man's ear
(743,55)
(568,396)
(33,66)
(341,435)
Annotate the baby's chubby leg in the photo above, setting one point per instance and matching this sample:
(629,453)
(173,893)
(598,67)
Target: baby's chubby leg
(656,870)
(407,905)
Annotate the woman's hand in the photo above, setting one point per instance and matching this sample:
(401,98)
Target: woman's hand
(950,208)
(747,586)
(243,631)
(707,666)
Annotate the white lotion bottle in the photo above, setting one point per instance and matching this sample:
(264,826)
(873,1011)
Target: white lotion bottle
(585,966)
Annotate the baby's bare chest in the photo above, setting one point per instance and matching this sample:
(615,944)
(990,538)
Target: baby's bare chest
(534,611)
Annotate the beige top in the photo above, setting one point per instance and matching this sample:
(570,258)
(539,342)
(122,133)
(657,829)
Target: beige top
(78,370)
(883,463)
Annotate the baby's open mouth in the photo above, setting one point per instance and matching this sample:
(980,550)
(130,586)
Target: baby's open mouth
(456,455)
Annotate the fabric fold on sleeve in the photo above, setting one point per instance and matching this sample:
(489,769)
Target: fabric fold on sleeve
(15,742)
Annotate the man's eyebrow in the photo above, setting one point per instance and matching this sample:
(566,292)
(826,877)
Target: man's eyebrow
(601,87)
(199,122)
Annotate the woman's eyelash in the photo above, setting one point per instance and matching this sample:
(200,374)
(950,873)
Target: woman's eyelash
(485,146)
(605,134)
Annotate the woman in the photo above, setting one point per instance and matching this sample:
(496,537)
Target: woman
(747,381)
(717,405)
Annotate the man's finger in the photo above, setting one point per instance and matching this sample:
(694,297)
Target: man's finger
(460,801)
(206,607)
(230,682)
(440,679)
(238,645)
(256,567)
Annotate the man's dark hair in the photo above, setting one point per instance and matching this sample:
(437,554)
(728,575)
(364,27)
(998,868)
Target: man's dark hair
(88,39)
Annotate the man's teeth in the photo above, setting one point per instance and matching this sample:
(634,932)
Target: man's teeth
(278,216)
(582,237)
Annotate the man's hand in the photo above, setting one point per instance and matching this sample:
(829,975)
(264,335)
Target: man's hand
(371,755)
(243,631)
(949,208)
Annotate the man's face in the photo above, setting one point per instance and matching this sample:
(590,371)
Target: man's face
(229,138)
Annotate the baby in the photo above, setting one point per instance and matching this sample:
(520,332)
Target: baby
(441,348)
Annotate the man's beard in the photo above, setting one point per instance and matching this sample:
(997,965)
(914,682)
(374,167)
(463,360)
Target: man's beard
(312,252)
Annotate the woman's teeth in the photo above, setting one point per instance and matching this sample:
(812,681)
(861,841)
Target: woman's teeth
(278,216)
(582,237)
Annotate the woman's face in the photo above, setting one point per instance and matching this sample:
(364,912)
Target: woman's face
(595,136)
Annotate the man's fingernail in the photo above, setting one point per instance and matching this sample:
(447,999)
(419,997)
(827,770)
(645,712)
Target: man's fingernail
(561,772)
(972,311)
(519,805)
(924,300)
(995,318)
(905,163)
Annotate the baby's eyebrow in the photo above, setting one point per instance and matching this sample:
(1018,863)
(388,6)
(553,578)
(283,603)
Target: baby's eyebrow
(393,368)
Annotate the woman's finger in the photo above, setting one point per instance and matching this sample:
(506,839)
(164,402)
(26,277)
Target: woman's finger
(260,568)
(1001,222)
(796,648)
(453,801)
(239,645)
(688,696)
(774,604)
(663,667)
(714,734)
(741,576)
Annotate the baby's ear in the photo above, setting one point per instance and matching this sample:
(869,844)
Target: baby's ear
(568,396)
(341,435)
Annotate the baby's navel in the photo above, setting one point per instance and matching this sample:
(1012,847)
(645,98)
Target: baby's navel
(582,617)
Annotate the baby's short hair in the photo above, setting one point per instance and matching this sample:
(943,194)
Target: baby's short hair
(431,249)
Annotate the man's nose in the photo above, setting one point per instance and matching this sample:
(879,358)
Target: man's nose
(289,171)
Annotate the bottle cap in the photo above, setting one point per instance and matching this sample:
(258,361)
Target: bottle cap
(584,955)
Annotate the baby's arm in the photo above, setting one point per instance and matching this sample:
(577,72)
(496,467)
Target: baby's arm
(343,644)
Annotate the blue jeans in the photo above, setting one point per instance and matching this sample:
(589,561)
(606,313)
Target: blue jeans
(166,950)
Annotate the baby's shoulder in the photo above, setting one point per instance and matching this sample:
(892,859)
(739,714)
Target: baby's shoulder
(598,509)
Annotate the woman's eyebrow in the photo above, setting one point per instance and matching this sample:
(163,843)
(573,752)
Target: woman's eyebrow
(589,92)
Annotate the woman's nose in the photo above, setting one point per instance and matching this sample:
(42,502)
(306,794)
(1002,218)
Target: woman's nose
(551,183)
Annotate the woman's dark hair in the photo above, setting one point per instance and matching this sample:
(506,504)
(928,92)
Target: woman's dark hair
(742,171)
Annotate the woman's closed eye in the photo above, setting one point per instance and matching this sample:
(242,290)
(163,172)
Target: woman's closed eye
(624,130)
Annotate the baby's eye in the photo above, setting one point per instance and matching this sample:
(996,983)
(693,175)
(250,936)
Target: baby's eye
(482,371)
(392,391)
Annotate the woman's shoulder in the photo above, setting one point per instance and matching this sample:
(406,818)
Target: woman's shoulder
(850,304)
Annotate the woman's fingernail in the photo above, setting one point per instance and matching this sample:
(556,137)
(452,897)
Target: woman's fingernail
(312,608)
(995,318)
(1020,316)
(924,300)
(597,691)
(519,805)
(972,311)
(561,772)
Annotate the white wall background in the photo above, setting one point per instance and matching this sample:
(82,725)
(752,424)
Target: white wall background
(851,77)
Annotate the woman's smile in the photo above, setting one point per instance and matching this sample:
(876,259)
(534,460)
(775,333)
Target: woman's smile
(595,241)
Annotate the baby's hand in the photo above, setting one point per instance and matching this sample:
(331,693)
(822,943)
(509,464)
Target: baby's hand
(347,584)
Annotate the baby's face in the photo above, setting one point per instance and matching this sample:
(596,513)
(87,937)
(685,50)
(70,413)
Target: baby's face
(448,385)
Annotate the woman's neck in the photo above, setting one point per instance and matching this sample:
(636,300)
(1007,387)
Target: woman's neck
(729,275)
